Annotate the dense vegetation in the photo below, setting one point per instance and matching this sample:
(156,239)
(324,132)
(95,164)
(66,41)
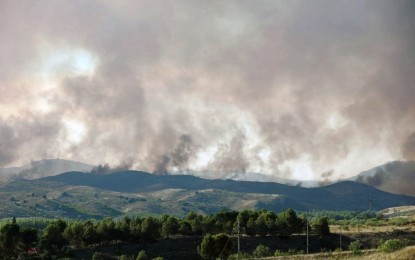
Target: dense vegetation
(58,235)
(47,237)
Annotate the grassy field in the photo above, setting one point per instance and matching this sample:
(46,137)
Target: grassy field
(407,253)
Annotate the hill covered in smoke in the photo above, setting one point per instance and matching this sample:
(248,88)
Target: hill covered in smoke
(396,177)
(43,168)
(297,89)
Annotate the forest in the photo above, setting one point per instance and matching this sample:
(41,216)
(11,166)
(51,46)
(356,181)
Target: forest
(213,236)
(56,237)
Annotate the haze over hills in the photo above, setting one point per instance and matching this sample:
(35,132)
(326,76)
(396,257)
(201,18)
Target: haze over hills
(43,168)
(395,177)
(86,195)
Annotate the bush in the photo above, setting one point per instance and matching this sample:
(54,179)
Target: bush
(295,252)
(123,257)
(289,252)
(98,256)
(262,251)
(355,247)
(142,255)
(158,258)
(391,245)
(280,253)
(242,255)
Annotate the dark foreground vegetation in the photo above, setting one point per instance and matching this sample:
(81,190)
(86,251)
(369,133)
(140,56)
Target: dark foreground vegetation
(261,232)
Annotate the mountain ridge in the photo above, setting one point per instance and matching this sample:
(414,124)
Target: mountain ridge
(88,195)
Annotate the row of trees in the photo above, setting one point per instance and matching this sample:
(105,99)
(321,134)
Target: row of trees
(57,235)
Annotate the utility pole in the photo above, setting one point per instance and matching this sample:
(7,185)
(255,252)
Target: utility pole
(239,234)
(340,237)
(307,236)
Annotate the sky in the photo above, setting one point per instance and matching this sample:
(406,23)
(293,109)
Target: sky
(310,90)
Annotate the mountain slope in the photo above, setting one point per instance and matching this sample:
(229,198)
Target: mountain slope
(85,195)
(339,196)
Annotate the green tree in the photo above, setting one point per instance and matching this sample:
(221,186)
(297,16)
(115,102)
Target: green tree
(185,228)
(150,228)
(207,249)
(9,237)
(123,228)
(243,217)
(28,238)
(295,224)
(89,235)
(74,233)
(106,230)
(195,221)
(214,246)
(52,240)
(321,226)
(170,227)
(250,229)
(135,229)
(261,225)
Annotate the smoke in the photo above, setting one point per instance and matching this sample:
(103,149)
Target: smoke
(408,147)
(325,178)
(395,177)
(231,157)
(106,168)
(179,158)
(218,86)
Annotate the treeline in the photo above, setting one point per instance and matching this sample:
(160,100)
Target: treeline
(58,235)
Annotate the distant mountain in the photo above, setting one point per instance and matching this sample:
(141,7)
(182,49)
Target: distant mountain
(249,176)
(346,195)
(395,177)
(46,167)
(86,195)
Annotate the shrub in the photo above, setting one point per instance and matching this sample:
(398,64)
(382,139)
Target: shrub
(280,253)
(123,257)
(355,247)
(98,256)
(242,255)
(262,251)
(142,255)
(295,252)
(391,245)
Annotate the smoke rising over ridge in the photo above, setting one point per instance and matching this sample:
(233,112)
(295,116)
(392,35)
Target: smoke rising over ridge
(291,88)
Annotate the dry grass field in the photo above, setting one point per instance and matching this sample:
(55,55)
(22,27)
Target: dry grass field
(407,253)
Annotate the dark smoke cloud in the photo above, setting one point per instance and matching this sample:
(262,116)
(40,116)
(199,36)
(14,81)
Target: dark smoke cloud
(395,177)
(106,168)
(179,158)
(408,147)
(267,86)
(231,157)
(325,178)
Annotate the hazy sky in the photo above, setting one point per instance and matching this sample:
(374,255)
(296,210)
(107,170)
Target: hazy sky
(300,89)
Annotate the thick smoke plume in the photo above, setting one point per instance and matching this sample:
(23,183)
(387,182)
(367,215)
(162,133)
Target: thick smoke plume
(290,88)
(396,177)
(408,147)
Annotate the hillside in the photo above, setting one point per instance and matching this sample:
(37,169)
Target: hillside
(84,195)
